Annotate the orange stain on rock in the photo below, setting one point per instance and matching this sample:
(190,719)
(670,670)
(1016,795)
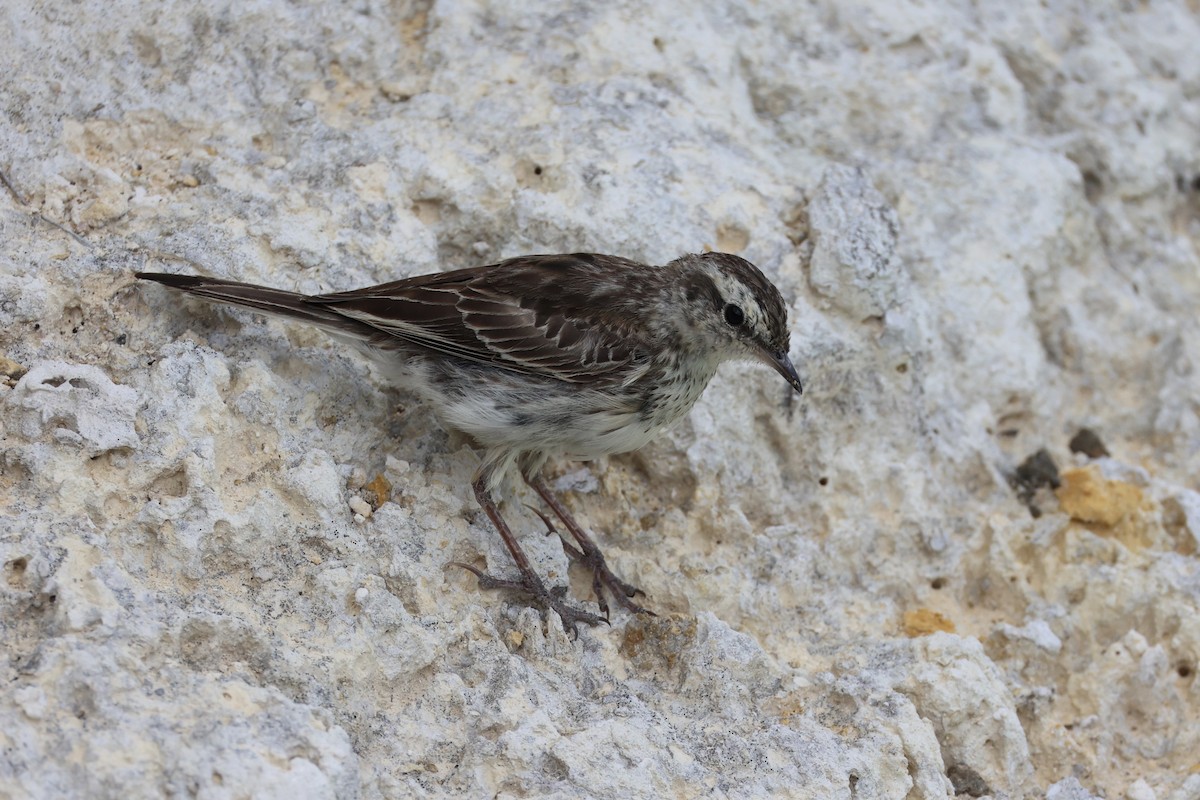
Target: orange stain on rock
(924,621)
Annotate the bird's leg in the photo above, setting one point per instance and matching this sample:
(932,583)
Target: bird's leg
(529,583)
(588,554)
(573,552)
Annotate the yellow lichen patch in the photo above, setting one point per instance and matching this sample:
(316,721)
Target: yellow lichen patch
(924,621)
(380,489)
(11,369)
(1089,497)
(1110,508)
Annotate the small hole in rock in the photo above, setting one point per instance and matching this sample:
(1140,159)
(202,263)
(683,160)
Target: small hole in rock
(823,481)
(1184,670)
(937,583)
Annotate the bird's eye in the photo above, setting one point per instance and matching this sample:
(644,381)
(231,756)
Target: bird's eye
(734,315)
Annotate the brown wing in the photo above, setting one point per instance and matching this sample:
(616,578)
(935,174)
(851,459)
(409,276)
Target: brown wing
(565,317)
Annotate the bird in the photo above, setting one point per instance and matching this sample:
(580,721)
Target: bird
(576,355)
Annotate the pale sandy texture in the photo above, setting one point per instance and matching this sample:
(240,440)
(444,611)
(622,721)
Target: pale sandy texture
(224,539)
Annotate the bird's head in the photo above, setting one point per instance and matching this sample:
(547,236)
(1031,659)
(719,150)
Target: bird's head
(733,311)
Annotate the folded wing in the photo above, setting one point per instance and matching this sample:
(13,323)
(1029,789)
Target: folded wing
(530,315)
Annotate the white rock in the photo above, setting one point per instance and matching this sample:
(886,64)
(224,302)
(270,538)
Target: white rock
(360,507)
(1189,790)
(984,226)
(1036,631)
(1069,789)
(76,404)
(854,259)
(960,691)
(1140,790)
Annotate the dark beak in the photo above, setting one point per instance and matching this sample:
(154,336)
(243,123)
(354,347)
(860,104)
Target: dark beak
(783,365)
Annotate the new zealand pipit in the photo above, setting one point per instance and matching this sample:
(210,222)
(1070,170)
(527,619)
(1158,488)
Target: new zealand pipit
(576,355)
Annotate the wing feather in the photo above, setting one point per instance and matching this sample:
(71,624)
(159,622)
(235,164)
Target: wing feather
(536,315)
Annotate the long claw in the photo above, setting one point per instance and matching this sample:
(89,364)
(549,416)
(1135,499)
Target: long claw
(531,586)
(478,572)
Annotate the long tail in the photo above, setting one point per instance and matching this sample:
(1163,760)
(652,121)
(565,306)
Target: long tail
(261,298)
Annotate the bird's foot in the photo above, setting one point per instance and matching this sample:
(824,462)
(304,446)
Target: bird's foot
(587,554)
(531,585)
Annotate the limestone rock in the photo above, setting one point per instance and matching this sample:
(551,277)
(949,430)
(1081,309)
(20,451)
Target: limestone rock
(224,540)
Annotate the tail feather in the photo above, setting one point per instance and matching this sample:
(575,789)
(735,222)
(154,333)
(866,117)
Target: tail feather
(261,298)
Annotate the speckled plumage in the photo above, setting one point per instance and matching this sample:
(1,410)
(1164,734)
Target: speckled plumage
(579,355)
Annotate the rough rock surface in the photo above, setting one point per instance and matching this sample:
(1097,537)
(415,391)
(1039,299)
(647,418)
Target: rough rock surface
(224,538)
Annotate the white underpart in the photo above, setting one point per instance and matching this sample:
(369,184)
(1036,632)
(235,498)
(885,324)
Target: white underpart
(567,420)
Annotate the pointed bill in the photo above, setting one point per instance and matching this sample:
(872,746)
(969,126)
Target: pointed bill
(783,365)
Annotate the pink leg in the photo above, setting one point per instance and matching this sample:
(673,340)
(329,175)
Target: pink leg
(588,554)
(529,583)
